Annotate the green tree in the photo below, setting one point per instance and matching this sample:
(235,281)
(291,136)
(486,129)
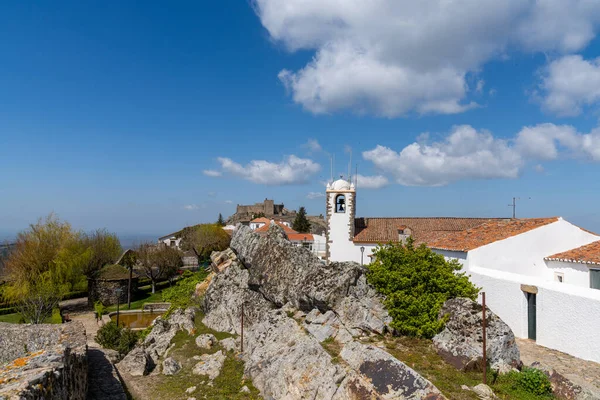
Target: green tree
(158,261)
(47,262)
(301,223)
(105,249)
(203,239)
(220,221)
(416,282)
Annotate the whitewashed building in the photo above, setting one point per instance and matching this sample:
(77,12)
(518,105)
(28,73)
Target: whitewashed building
(541,275)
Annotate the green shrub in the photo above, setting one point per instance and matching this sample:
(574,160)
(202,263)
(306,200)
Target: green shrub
(111,336)
(416,282)
(534,381)
(180,294)
(99,308)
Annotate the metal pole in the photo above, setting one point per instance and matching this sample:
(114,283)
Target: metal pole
(242,341)
(484,341)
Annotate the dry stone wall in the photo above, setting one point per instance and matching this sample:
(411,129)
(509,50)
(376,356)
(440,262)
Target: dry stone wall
(43,361)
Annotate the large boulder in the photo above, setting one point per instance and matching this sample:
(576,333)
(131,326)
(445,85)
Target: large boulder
(287,274)
(389,377)
(460,343)
(137,363)
(171,366)
(210,365)
(286,363)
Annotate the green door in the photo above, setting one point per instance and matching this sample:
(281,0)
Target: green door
(531,317)
(595,278)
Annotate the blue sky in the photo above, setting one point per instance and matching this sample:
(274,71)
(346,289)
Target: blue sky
(112,114)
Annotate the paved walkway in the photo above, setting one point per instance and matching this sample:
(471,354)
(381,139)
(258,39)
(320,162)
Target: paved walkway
(581,372)
(103,379)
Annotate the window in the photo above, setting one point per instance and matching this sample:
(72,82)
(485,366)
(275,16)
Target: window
(340,203)
(559,277)
(595,278)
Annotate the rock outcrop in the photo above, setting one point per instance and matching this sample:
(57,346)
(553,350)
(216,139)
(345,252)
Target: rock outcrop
(460,343)
(210,365)
(294,305)
(142,360)
(43,361)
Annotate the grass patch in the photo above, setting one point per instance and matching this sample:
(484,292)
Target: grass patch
(420,355)
(17,318)
(334,348)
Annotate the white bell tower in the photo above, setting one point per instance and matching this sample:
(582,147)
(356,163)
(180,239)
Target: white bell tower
(341,210)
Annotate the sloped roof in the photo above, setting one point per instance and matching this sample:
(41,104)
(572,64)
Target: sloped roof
(486,233)
(588,254)
(423,229)
(291,234)
(261,219)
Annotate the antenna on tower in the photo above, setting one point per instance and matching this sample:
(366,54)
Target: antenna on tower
(514,206)
(350,167)
(331,161)
(332,167)
(356,177)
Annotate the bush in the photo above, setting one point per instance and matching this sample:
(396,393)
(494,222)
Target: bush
(111,336)
(100,309)
(416,282)
(534,381)
(180,295)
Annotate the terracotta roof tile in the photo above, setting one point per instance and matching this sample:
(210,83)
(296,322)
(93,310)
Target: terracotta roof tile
(265,227)
(291,234)
(422,229)
(487,233)
(588,254)
(261,219)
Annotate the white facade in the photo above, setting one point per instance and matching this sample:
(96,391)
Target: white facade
(170,241)
(255,225)
(567,316)
(564,310)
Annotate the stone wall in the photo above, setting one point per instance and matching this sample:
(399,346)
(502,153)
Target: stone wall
(43,361)
(106,291)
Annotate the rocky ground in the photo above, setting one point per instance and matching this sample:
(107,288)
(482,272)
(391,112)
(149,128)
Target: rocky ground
(183,359)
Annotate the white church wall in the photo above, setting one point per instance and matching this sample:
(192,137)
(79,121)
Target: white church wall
(577,274)
(567,316)
(524,253)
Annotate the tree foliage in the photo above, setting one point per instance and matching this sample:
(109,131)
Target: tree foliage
(158,261)
(105,249)
(416,282)
(220,220)
(120,338)
(204,239)
(47,262)
(301,223)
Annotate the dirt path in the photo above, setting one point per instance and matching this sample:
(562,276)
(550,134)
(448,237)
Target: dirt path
(581,372)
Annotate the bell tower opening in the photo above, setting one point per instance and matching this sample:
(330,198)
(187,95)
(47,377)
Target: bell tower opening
(340,203)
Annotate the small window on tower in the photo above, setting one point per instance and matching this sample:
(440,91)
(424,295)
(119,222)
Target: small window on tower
(340,203)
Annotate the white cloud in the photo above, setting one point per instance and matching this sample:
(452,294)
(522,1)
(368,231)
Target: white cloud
(313,146)
(480,85)
(371,182)
(212,172)
(190,207)
(315,195)
(539,168)
(545,142)
(392,57)
(292,170)
(465,154)
(228,202)
(570,83)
